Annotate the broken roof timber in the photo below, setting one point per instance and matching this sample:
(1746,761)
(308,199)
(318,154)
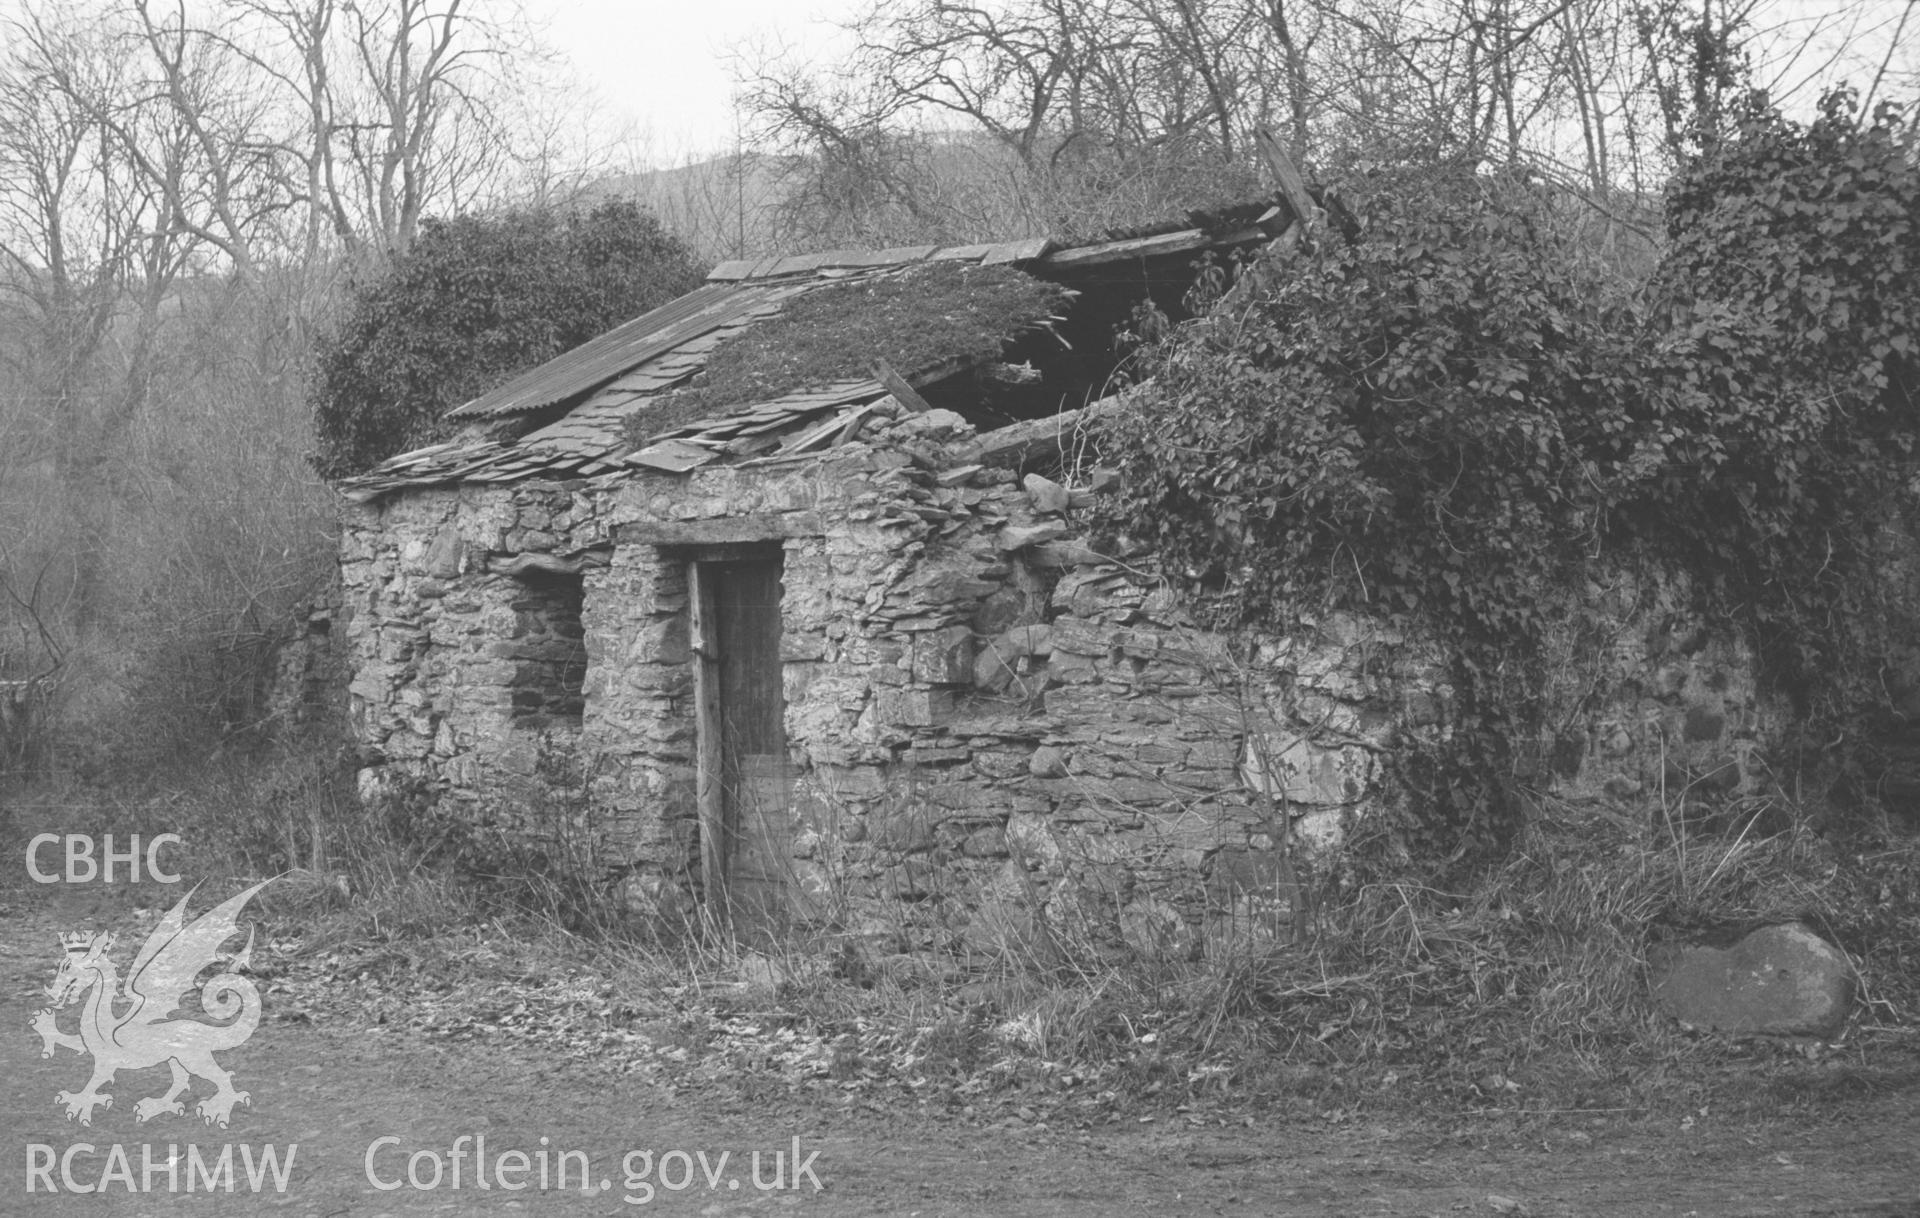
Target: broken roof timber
(1031,441)
(902,255)
(844,419)
(742,269)
(1184,242)
(1018,251)
(963,253)
(991,253)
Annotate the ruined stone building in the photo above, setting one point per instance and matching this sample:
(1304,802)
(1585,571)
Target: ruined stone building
(718,609)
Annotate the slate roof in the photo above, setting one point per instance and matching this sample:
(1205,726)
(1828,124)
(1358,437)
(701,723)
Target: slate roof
(610,378)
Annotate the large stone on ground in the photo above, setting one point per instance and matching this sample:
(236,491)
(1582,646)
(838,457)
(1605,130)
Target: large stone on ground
(1779,980)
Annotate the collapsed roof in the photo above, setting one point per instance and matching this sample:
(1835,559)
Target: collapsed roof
(589,411)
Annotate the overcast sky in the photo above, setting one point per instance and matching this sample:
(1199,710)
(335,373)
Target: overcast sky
(663,63)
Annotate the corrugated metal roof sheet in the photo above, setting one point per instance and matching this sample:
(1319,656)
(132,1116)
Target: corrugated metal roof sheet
(629,345)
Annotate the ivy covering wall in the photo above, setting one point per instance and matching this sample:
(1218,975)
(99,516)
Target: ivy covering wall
(1459,411)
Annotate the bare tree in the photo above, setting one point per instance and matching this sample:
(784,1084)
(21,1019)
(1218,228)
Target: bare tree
(182,183)
(90,256)
(374,113)
(854,178)
(1096,98)
(70,224)
(25,701)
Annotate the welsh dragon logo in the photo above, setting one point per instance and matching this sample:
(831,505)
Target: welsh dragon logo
(146,1032)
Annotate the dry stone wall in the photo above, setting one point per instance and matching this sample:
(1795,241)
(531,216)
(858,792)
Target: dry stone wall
(1651,713)
(997,737)
(307,688)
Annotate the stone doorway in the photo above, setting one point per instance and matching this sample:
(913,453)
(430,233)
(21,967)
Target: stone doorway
(744,778)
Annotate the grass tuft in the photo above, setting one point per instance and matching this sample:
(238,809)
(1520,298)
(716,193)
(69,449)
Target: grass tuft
(1524,990)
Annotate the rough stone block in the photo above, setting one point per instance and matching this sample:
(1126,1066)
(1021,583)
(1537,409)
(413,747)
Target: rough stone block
(906,829)
(974,798)
(1064,668)
(1307,773)
(1158,755)
(985,843)
(796,645)
(837,784)
(991,761)
(1046,495)
(1779,980)
(1173,832)
(1140,644)
(1079,636)
(918,624)
(1191,778)
(1134,792)
(1047,762)
(442,560)
(925,754)
(661,640)
(942,587)
(1000,610)
(1035,639)
(1056,554)
(994,672)
(944,657)
(1029,838)
(398,645)
(1095,763)
(649,678)
(914,707)
(1019,537)
(1215,754)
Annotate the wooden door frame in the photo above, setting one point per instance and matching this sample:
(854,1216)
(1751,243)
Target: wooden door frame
(717,830)
(709,785)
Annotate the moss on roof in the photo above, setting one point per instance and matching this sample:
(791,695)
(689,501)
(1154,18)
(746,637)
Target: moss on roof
(915,320)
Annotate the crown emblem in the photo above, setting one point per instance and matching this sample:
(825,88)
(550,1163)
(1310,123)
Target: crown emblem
(175,953)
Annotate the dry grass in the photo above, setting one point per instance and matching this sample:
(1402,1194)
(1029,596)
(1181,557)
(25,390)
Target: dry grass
(1526,990)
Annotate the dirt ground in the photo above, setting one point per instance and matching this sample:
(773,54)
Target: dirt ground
(335,1092)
